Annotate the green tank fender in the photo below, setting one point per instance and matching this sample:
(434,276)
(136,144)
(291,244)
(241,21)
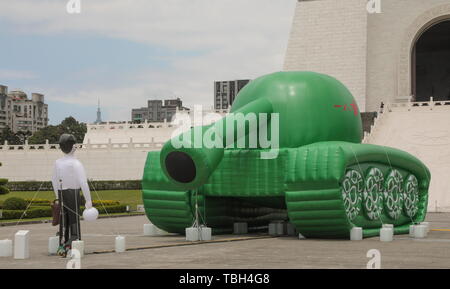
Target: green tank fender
(317,201)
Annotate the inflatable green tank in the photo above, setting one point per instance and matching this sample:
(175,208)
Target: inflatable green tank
(319,176)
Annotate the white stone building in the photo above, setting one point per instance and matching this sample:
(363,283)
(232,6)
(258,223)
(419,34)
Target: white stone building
(400,53)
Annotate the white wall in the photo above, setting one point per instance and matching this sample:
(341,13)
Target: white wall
(102,162)
(369,53)
(128,132)
(330,37)
(424,132)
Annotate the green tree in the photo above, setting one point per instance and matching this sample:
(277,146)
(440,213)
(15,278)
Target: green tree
(23,136)
(72,126)
(52,133)
(8,135)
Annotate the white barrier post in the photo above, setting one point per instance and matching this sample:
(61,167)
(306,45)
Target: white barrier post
(21,244)
(53,244)
(150,230)
(120,244)
(356,234)
(192,234)
(6,248)
(280,228)
(420,231)
(427,225)
(79,245)
(272,229)
(205,233)
(386,234)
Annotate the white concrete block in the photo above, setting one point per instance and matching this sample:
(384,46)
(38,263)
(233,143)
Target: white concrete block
(420,231)
(205,233)
(120,245)
(150,230)
(388,226)
(280,228)
(21,244)
(290,229)
(78,245)
(53,244)
(277,228)
(356,234)
(386,234)
(192,234)
(6,248)
(272,229)
(411,231)
(427,225)
(240,228)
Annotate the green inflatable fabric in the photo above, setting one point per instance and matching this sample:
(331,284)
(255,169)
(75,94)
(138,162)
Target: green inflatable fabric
(323,180)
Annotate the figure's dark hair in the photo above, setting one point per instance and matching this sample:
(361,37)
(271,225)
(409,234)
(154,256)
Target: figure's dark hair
(66,142)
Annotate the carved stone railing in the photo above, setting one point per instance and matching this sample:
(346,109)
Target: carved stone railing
(104,146)
(417,104)
(403,106)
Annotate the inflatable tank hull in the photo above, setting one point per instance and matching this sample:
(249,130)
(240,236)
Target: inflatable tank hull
(322,179)
(323,189)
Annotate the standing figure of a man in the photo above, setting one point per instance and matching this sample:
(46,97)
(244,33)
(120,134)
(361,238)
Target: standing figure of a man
(68,179)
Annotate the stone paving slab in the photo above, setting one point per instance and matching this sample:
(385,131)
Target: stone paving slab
(266,253)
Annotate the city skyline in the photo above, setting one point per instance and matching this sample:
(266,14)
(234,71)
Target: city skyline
(166,48)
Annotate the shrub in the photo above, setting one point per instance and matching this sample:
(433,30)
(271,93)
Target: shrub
(32,212)
(93,185)
(110,209)
(14,204)
(95,203)
(99,203)
(39,202)
(40,212)
(4,190)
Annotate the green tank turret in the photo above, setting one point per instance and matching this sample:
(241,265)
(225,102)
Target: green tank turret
(317,174)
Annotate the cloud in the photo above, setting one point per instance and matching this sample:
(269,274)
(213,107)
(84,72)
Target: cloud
(6,74)
(211,40)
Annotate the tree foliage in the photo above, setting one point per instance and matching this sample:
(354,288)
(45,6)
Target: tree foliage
(52,133)
(8,135)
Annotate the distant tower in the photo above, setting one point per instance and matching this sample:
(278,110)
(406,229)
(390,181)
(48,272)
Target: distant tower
(99,113)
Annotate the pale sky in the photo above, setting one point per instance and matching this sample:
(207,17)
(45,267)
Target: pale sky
(125,52)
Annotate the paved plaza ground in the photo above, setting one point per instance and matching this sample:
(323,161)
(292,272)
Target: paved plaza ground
(263,252)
